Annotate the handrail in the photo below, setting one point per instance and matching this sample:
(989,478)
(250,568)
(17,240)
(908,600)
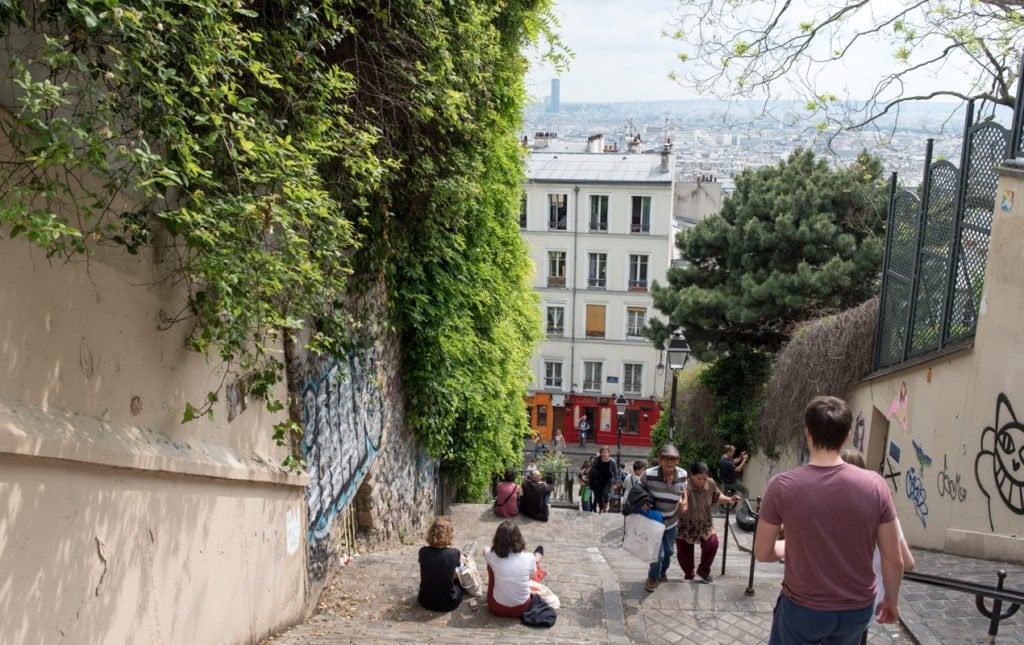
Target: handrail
(981,593)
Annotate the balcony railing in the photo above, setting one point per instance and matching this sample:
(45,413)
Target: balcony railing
(638,285)
(556,330)
(554,281)
(596,283)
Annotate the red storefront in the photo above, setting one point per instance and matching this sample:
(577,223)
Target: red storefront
(640,415)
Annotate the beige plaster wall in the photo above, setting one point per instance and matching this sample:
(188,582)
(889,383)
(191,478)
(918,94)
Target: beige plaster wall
(119,523)
(953,454)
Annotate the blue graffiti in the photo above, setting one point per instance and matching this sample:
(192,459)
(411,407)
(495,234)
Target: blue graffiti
(342,423)
(917,494)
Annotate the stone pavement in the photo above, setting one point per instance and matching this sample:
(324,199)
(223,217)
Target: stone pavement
(373,600)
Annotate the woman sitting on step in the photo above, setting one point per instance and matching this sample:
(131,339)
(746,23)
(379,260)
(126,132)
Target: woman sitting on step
(439,587)
(510,570)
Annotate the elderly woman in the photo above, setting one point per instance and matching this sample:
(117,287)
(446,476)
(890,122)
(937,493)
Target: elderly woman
(509,571)
(696,525)
(439,588)
(506,500)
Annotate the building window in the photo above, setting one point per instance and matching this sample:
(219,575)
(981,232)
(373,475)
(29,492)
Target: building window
(592,376)
(599,212)
(553,375)
(522,212)
(638,273)
(598,276)
(542,416)
(632,422)
(556,320)
(632,378)
(558,212)
(595,321)
(556,268)
(636,320)
(641,215)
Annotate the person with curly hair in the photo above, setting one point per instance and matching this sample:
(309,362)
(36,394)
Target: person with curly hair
(439,587)
(509,571)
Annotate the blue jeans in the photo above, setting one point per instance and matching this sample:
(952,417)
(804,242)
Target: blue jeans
(795,625)
(668,548)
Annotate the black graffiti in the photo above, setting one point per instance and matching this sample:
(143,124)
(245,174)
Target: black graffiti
(892,475)
(950,485)
(999,466)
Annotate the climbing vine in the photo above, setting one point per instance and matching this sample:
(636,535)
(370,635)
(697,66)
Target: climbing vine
(283,154)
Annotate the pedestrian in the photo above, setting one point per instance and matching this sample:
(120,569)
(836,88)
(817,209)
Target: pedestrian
(583,477)
(507,495)
(856,457)
(510,570)
(439,587)
(559,440)
(538,444)
(696,525)
(667,483)
(536,492)
(730,468)
(584,427)
(633,478)
(834,514)
(604,473)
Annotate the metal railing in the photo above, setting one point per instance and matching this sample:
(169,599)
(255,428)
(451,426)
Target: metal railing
(563,483)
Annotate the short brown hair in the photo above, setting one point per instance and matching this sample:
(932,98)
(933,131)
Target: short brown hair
(440,534)
(853,456)
(829,420)
(507,539)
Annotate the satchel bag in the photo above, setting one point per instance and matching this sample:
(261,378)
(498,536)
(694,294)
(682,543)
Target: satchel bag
(469,577)
(643,537)
(539,613)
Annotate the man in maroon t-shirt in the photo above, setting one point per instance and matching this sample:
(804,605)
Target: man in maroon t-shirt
(834,515)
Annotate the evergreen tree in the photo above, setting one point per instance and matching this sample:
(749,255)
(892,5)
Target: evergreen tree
(795,241)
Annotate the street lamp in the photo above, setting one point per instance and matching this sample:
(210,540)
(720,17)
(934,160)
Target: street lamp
(678,352)
(620,412)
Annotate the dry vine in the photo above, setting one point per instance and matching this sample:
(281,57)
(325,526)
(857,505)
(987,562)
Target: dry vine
(825,356)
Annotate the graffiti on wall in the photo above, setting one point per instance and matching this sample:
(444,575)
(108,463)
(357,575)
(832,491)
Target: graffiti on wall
(918,495)
(949,483)
(342,423)
(900,408)
(858,432)
(888,471)
(999,466)
(922,458)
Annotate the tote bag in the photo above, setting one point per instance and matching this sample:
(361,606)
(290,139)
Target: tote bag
(643,537)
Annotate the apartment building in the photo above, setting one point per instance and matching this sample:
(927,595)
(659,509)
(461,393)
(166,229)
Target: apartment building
(598,221)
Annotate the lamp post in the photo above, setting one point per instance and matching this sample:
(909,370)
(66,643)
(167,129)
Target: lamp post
(678,351)
(620,415)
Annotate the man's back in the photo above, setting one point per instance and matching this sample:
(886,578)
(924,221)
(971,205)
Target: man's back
(831,516)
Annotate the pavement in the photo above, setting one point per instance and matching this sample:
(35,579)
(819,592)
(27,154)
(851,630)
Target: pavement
(373,599)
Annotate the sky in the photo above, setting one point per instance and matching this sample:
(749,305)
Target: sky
(621,55)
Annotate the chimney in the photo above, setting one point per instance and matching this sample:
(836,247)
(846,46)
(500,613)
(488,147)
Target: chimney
(634,145)
(595,143)
(666,156)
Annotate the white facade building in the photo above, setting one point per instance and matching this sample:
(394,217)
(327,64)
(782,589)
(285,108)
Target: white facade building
(599,228)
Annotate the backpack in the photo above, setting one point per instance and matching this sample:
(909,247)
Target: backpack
(637,497)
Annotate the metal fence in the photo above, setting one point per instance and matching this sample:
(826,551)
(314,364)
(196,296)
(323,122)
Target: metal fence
(937,247)
(565,492)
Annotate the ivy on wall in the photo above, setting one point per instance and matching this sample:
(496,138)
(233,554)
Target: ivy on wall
(292,153)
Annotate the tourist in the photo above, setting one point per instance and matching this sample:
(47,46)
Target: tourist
(667,483)
(696,525)
(510,570)
(604,473)
(730,468)
(506,498)
(536,492)
(856,457)
(834,514)
(439,587)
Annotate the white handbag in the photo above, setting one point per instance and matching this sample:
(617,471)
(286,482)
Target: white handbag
(643,537)
(469,577)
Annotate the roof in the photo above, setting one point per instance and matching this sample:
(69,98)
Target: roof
(597,167)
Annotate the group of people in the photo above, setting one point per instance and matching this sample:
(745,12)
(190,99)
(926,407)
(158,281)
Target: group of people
(532,499)
(840,568)
(513,575)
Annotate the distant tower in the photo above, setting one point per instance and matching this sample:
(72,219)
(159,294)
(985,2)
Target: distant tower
(554,103)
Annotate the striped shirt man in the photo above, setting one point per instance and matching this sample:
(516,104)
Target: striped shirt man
(667,491)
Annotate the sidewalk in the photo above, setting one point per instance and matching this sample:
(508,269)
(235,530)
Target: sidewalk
(373,600)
